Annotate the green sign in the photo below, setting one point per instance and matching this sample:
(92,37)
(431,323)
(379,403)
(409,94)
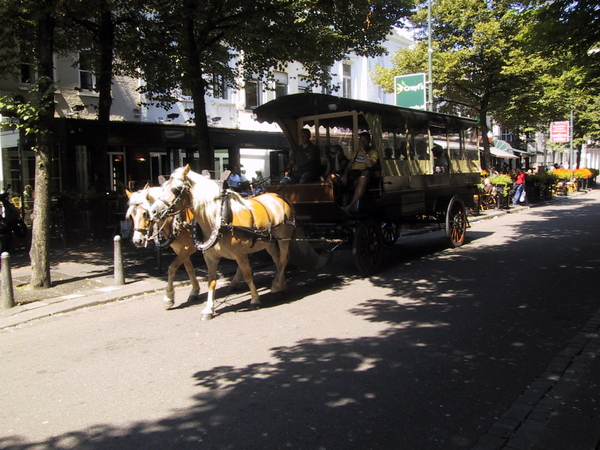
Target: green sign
(410,91)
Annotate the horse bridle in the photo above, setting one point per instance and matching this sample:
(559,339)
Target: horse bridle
(178,192)
(155,236)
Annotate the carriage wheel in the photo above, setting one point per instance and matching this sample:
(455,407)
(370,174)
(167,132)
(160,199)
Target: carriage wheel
(391,232)
(456,222)
(367,247)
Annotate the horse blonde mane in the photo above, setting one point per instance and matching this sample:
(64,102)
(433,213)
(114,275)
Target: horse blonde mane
(144,198)
(206,195)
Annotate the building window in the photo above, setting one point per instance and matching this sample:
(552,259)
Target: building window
(27,73)
(219,87)
(303,85)
(281,84)
(347,81)
(252,94)
(506,136)
(87,79)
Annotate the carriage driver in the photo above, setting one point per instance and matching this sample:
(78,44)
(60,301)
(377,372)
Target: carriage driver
(359,169)
(304,165)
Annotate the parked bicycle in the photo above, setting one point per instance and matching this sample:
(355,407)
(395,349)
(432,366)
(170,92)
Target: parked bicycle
(11,221)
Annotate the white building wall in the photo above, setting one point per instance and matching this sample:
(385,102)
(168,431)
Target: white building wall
(72,101)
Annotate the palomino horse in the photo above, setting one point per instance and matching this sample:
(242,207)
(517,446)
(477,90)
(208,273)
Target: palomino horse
(235,227)
(180,238)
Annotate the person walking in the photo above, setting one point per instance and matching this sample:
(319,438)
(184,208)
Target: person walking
(519,187)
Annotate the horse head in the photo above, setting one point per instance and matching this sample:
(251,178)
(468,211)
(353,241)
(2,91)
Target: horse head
(173,197)
(187,190)
(140,203)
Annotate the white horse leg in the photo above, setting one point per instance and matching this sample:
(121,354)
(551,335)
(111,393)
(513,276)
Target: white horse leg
(212,265)
(169,298)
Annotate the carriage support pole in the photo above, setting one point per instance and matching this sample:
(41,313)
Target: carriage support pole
(119,271)
(8,298)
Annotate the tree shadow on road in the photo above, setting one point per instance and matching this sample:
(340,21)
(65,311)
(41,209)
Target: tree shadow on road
(461,333)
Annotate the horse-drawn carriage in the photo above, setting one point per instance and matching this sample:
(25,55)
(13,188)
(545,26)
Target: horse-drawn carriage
(407,186)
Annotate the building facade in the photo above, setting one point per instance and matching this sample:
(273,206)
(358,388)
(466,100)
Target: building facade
(146,142)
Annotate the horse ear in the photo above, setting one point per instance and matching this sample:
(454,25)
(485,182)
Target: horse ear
(129,193)
(147,186)
(186,169)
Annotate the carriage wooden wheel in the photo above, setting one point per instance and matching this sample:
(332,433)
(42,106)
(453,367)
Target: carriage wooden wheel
(367,247)
(391,232)
(456,222)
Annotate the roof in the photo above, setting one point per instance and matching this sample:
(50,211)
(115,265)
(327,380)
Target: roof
(309,104)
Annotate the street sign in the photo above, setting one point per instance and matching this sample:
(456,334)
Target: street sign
(559,131)
(410,91)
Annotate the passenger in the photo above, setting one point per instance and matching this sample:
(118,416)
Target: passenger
(304,165)
(237,181)
(439,159)
(336,162)
(359,169)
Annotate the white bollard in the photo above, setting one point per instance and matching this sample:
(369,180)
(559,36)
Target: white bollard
(8,297)
(119,271)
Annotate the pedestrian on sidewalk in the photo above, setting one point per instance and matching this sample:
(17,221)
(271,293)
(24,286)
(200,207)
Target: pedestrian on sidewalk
(519,187)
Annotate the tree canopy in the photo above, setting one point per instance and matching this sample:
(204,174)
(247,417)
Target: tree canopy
(507,60)
(190,44)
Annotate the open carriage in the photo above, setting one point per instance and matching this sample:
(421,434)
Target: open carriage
(407,186)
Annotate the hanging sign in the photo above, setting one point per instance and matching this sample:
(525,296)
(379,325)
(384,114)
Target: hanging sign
(559,131)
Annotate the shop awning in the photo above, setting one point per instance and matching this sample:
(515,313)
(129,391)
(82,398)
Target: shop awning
(499,153)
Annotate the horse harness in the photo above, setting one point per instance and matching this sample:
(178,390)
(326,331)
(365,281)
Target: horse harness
(224,222)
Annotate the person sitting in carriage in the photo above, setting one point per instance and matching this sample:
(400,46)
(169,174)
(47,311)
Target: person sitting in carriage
(336,162)
(358,172)
(236,181)
(304,165)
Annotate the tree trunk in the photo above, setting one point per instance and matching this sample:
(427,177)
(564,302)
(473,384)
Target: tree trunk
(104,87)
(40,266)
(194,75)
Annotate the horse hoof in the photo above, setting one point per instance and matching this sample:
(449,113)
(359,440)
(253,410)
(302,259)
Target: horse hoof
(193,298)
(206,317)
(168,304)
(254,306)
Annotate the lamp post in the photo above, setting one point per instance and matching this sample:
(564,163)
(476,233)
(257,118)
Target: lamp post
(429,60)
(571,141)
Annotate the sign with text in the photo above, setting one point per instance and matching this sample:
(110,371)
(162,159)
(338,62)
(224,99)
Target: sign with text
(410,91)
(559,131)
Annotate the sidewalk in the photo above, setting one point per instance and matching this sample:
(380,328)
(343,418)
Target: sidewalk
(83,275)
(559,411)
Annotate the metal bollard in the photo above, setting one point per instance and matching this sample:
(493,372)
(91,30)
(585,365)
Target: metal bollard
(119,271)
(8,297)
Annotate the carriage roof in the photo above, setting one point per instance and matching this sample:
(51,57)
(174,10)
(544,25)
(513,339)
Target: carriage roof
(293,107)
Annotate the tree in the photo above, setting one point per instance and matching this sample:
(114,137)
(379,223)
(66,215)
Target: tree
(478,63)
(231,40)
(567,35)
(30,36)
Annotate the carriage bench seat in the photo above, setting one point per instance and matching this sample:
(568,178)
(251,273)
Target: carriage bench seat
(310,200)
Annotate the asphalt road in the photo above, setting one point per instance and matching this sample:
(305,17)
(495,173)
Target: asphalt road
(426,355)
